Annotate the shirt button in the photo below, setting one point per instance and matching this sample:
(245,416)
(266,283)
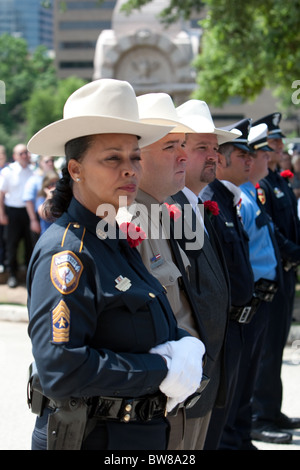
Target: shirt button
(152,295)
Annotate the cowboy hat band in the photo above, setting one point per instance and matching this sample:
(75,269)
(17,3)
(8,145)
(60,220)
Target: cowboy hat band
(104,106)
(196,115)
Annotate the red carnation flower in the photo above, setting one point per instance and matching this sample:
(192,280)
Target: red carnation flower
(135,235)
(287,174)
(174,211)
(212,207)
(257,186)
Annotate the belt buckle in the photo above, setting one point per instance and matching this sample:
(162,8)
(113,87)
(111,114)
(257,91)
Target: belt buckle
(245,314)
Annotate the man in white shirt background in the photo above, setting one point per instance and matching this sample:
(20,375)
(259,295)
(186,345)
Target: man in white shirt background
(13,213)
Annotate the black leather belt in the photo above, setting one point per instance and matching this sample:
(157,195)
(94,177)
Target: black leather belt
(123,409)
(129,409)
(265,289)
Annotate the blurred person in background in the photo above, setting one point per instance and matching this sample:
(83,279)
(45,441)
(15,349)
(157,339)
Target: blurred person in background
(33,185)
(13,211)
(3,163)
(46,192)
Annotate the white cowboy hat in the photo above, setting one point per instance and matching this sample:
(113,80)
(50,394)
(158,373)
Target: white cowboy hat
(158,108)
(104,106)
(196,115)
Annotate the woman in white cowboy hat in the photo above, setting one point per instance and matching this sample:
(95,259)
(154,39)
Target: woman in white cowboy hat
(96,316)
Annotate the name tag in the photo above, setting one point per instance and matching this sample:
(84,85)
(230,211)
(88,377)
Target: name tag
(122,283)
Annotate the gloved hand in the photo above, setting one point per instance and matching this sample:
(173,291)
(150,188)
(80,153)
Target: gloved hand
(184,361)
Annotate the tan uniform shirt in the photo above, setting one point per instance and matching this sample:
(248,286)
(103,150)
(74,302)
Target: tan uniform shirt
(157,257)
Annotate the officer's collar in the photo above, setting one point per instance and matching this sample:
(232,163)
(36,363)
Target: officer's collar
(249,188)
(229,197)
(93,223)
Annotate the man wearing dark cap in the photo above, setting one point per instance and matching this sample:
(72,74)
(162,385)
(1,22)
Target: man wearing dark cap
(233,170)
(280,203)
(267,269)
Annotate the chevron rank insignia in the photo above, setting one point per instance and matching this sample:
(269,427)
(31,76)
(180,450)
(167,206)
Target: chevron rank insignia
(66,269)
(61,323)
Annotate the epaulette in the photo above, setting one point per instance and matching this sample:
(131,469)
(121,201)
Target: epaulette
(74,231)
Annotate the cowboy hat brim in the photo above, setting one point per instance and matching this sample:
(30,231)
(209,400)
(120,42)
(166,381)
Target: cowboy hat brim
(51,139)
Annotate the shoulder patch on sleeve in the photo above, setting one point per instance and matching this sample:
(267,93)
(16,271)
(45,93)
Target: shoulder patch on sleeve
(61,323)
(65,271)
(261,195)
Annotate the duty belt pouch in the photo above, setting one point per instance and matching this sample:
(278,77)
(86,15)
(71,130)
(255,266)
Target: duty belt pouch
(35,397)
(265,290)
(66,425)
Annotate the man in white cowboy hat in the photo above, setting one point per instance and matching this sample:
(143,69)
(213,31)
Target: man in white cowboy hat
(163,166)
(164,174)
(233,170)
(208,272)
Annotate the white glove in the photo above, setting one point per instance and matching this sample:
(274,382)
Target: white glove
(184,361)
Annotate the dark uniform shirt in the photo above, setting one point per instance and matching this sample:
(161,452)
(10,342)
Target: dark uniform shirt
(234,241)
(90,334)
(280,202)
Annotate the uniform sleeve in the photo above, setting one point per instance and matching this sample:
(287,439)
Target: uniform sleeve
(265,197)
(247,213)
(62,325)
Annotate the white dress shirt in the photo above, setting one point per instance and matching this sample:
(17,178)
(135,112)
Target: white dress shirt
(12,183)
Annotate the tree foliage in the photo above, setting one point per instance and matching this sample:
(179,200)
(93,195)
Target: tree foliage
(245,47)
(34,96)
(45,105)
(21,73)
(248,46)
(175,10)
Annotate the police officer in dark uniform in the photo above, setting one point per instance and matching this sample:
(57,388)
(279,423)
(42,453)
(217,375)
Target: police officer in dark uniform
(231,173)
(279,201)
(267,269)
(110,359)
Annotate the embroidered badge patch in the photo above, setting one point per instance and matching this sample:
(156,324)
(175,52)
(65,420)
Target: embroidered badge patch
(61,323)
(278,193)
(66,269)
(261,195)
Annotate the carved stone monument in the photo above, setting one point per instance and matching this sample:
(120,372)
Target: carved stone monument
(148,54)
